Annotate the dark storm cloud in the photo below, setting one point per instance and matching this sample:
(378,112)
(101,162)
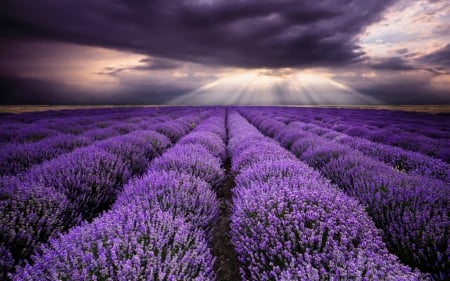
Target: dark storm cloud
(394,63)
(252,33)
(440,57)
(409,91)
(438,62)
(402,51)
(157,64)
(147,64)
(25,90)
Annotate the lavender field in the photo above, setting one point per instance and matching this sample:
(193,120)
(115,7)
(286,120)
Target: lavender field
(224,193)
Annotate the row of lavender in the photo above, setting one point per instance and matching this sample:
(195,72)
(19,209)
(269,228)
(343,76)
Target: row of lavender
(60,193)
(419,132)
(13,130)
(400,159)
(157,229)
(430,125)
(48,138)
(289,223)
(30,117)
(75,116)
(412,210)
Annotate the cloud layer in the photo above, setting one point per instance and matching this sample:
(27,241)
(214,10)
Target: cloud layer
(251,33)
(161,51)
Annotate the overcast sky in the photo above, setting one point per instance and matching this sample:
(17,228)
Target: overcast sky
(225,52)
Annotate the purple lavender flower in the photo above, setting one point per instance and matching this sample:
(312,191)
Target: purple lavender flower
(136,152)
(309,228)
(128,243)
(25,133)
(123,128)
(289,222)
(212,142)
(90,178)
(172,129)
(181,194)
(215,124)
(260,151)
(100,134)
(31,214)
(17,158)
(6,262)
(411,210)
(159,141)
(192,159)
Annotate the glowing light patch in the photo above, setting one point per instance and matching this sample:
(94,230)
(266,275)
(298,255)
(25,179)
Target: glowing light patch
(441,82)
(75,66)
(264,87)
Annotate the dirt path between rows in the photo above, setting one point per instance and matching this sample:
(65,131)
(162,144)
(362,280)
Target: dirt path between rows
(227,264)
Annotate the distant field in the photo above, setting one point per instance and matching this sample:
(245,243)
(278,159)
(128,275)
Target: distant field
(416,108)
(34,108)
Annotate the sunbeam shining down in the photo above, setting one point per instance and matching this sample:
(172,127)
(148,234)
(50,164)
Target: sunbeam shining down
(269,87)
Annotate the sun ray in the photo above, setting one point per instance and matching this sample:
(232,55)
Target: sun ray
(263,87)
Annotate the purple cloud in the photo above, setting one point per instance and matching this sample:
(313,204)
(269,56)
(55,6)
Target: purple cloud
(147,64)
(23,90)
(393,63)
(440,57)
(253,33)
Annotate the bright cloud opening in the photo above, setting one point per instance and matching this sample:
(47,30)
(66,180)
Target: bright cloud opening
(273,87)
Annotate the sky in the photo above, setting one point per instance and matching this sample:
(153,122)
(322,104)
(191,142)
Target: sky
(225,52)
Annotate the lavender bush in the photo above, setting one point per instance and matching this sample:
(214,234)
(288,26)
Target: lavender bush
(215,124)
(403,160)
(384,169)
(288,222)
(172,129)
(181,194)
(31,214)
(310,229)
(100,134)
(89,177)
(123,128)
(128,243)
(17,158)
(192,159)
(158,141)
(411,210)
(212,142)
(136,152)
(260,151)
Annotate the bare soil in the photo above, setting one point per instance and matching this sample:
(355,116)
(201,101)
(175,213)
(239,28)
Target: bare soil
(227,264)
